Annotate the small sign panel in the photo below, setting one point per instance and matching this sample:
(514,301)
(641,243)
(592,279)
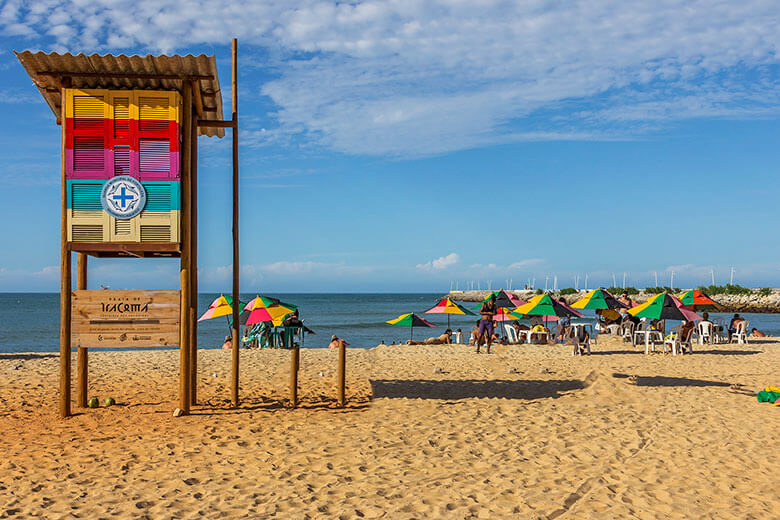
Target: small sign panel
(125,319)
(123,197)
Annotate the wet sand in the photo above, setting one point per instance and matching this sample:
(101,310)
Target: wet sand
(429,432)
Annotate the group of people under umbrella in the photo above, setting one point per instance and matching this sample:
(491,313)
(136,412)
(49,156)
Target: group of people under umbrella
(616,314)
(268,322)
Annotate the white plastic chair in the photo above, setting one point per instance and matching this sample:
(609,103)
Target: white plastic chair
(579,347)
(457,337)
(511,333)
(741,333)
(705,332)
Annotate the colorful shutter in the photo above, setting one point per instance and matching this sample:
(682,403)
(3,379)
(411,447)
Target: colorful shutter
(87,134)
(158,222)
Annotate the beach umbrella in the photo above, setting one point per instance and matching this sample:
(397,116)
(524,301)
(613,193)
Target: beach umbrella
(264,308)
(697,301)
(411,320)
(447,306)
(598,299)
(503,299)
(544,305)
(663,307)
(222,306)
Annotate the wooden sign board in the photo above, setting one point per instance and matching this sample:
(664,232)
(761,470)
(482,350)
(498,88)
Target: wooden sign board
(125,318)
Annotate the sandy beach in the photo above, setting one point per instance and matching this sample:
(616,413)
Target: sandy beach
(430,432)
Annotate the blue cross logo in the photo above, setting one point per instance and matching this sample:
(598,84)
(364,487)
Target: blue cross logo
(123,197)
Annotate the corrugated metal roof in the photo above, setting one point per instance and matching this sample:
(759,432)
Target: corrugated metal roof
(126,72)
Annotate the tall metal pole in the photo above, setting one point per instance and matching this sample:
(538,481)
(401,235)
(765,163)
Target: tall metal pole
(236,301)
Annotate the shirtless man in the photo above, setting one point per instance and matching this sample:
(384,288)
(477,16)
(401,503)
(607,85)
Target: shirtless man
(487,312)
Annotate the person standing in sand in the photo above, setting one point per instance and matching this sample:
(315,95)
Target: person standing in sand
(486,312)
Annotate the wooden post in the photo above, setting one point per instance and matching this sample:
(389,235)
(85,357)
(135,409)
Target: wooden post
(194,251)
(236,300)
(82,356)
(65,274)
(342,373)
(184,352)
(294,377)
(185,382)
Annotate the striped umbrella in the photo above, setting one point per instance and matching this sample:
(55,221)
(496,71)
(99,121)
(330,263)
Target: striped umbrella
(411,320)
(697,301)
(222,306)
(447,306)
(263,308)
(503,299)
(598,299)
(663,307)
(544,305)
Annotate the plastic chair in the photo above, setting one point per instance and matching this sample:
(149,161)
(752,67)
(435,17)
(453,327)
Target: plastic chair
(457,337)
(511,333)
(741,332)
(704,329)
(580,342)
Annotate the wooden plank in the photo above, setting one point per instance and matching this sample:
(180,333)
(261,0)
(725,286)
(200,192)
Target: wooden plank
(125,318)
(186,243)
(197,97)
(216,123)
(139,248)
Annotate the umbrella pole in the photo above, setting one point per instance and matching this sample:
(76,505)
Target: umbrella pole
(448,321)
(411,333)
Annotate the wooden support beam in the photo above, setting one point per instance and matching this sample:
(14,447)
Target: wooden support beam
(65,284)
(198,99)
(186,250)
(294,364)
(236,299)
(215,123)
(82,354)
(194,257)
(184,352)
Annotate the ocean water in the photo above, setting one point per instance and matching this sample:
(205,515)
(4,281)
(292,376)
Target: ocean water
(29,322)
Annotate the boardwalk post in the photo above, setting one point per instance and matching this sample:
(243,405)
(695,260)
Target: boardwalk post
(236,300)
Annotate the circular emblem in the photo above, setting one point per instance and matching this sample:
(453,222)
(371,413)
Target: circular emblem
(123,197)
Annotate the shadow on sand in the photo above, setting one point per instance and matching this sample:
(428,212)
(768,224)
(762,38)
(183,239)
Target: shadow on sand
(671,381)
(25,357)
(465,389)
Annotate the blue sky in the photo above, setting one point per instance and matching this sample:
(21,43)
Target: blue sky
(405,146)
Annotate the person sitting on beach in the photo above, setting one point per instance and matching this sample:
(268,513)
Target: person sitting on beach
(625,300)
(228,344)
(755,333)
(335,342)
(733,324)
(486,312)
(292,320)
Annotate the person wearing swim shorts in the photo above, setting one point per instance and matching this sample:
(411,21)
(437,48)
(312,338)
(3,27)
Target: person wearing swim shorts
(486,312)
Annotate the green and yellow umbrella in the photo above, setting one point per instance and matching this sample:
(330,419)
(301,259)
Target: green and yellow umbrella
(598,299)
(411,320)
(543,305)
(222,306)
(663,307)
(698,301)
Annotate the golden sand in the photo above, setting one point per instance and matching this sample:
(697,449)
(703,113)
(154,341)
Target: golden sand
(430,432)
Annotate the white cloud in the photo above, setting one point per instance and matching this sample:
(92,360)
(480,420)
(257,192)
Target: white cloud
(407,78)
(441,263)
